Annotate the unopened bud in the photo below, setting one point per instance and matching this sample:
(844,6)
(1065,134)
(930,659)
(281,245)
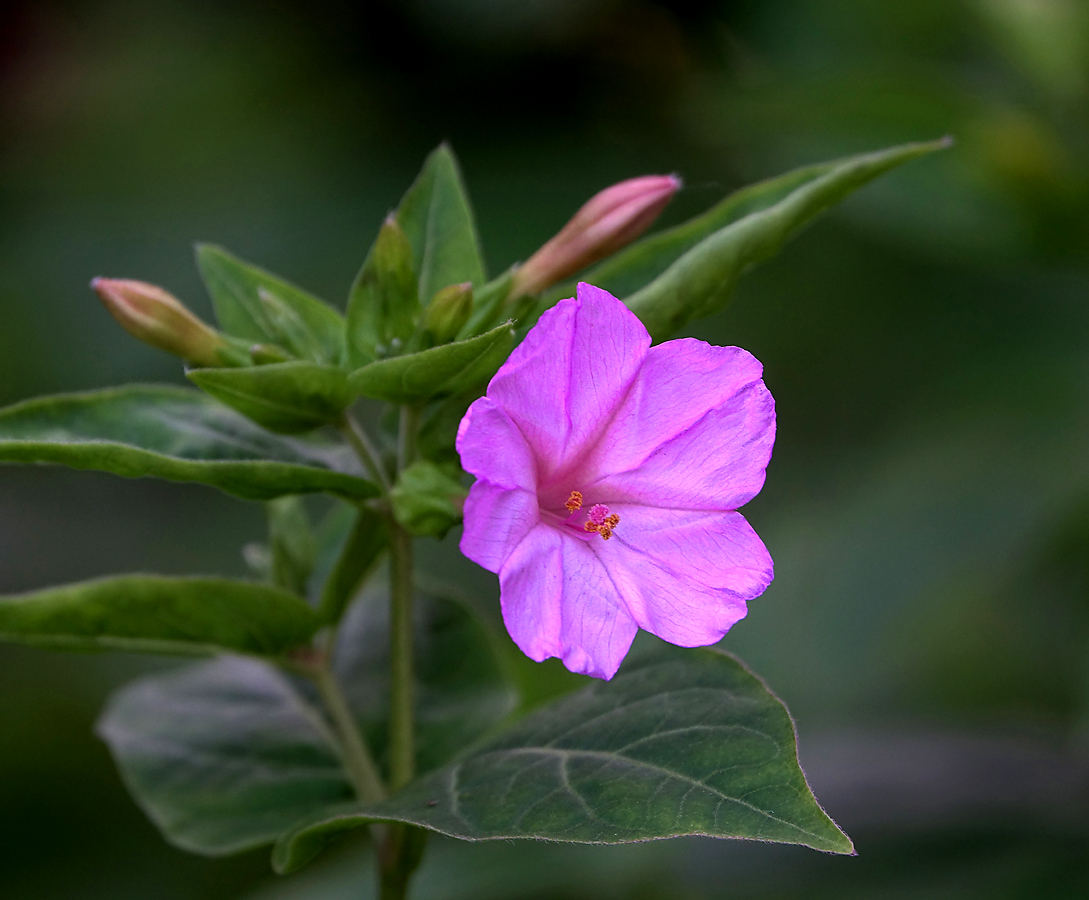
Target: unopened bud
(608,221)
(448,311)
(155,317)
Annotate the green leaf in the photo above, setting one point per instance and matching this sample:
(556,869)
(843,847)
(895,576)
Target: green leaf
(488,305)
(223,755)
(228,754)
(448,369)
(681,742)
(701,281)
(177,434)
(288,398)
(156,614)
(292,545)
(383,305)
(253,304)
(437,217)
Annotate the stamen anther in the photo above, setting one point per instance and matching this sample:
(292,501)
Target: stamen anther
(574,502)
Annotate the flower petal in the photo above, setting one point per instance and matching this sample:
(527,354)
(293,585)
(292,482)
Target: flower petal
(491,447)
(496,521)
(558,600)
(562,384)
(695,431)
(685,575)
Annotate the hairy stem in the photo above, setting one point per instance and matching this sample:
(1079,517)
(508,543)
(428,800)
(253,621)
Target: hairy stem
(355,755)
(366,451)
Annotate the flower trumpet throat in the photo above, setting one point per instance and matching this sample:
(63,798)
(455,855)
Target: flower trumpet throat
(608,221)
(158,318)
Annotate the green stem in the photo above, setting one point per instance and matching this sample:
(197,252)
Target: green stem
(354,753)
(365,450)
(406,439)
(401,726)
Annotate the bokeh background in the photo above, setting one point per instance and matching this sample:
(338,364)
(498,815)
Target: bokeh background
(927,343)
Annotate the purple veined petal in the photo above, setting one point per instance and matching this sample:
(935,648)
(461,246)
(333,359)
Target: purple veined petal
(695,432)
(685,575)
(558,600)
(562,384)
(497,519)
(492,447)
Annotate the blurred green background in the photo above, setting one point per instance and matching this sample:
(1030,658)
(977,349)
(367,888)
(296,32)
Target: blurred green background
(927,344)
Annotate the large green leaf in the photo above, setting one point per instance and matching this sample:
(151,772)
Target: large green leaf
(253,304)
(178,434)
(701,281)
(682,742)
(447,369)
(157,614)
(223,755)
(229,754)
(288,398)
(437,217)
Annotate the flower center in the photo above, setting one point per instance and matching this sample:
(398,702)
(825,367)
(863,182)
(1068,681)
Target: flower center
(599,519)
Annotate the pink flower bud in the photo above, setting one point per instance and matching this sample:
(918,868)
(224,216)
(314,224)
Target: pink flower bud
(155,317)
(607,221)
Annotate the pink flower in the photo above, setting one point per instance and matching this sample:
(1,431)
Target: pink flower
(609,474)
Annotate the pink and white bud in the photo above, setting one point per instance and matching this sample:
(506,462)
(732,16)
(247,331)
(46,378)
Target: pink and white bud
(608,221)
(157,318)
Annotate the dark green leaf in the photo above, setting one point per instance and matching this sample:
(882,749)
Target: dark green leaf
(292,546)
(223,755)
(437,217)
(178,434)
(681,742)
(156,614)
(701,281)
(228,754)
(288,398)
(448,369)
(253,304)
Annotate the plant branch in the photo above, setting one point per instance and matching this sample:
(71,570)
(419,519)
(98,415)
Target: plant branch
(366,451)
(354,753)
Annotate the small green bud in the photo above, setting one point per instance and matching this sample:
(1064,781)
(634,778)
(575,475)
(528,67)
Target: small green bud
(448,311)
(157,318)
(426,500)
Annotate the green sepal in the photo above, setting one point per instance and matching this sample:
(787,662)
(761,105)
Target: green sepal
(313,327)
(383,305)
(287,398)
(489,305)
(426,500)
(360,551)
(437,218)
(157,614)
(228,754)
(449,369)
(177,434)
(292,546)
(681,742)
(701,280)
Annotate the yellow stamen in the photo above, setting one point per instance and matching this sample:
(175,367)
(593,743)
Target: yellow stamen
(574,502)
